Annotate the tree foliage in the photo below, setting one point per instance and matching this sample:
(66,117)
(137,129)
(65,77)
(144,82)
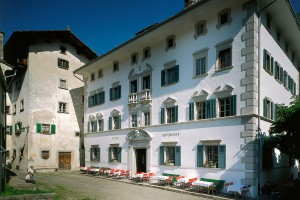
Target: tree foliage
(285,131)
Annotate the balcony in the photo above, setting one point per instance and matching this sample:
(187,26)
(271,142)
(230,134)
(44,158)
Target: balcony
(144,97)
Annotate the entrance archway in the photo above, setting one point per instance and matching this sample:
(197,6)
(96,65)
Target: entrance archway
(139,151)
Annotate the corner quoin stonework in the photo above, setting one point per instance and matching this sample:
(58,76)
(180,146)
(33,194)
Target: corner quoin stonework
(250,96)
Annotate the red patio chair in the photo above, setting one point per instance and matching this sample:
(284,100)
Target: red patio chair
(169,181)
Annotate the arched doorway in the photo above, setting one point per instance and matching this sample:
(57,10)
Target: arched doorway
(139,153)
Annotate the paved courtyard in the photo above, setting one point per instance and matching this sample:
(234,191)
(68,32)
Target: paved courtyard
(101,188)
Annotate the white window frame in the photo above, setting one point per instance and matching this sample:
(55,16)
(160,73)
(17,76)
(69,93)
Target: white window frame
(200,25)
(43,156)
(134,120)
(60,104)
(168,39)
(222,46)
(62,63)
(144,119)
(61,84)
(220,14)
(203,53)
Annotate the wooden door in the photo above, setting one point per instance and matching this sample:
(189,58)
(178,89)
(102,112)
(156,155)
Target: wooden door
(64,162)
(141,160)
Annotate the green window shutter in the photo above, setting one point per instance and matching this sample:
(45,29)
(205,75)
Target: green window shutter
(284,78)
(177,156)
(162,115)
(294,89)
(16,128)
(222,156)
(163,77)
(109,154)
(98,154)
(176,113)
(119,121)
(265,107)
(110,123)
(200,155)
(161,155)
(213,108)
(119,91)
(272,111)
(176,73)
(39,128)
(119,154)
(103,97)
(272,65)
(110,94)
(232,105)
(191,111)
(95,126)
(265,58)
(208,111)
(53,129)
(281,74)
(10,130)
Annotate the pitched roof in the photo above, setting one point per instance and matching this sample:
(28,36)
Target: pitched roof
(63,35)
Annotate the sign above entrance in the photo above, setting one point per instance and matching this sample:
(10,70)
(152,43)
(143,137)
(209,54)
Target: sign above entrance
(170,134)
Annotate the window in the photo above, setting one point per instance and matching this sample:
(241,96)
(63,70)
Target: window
(146,53)
(46,129)
(146,82)
(133,86)
(227,106)
(115,92)
(63,49)
(45,155)
(134,120)
(7,109)
(18,128)
(170,75)
(200,62)
(115,66)
(146,118)
(171,114)
(62,107)
(285,79)
(268,108)
(211,155)
(62,84)
(170,155)
(61,63)
(200,29)
(100,124)
(77,134)
(100,73)
(134,58)
(204,109)
(92,126)
(268,62)
(114,154)
(22,105)
(92,76)
(96,99)
(170,42)
(224,18)
(224,54)
(278,72)
(8,130)
(115,122)
(95,153)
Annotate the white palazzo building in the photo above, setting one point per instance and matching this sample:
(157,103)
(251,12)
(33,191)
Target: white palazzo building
(191,94)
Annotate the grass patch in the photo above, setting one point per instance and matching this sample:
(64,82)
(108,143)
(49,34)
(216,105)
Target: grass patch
(9,190)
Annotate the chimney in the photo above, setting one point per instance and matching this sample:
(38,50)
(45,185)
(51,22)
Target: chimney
(1,45)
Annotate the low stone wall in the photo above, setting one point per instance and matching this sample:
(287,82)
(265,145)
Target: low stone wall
(46,196)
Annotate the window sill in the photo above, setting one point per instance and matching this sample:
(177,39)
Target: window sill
(169,84)
(200,76)
(63,112)
(268,72)
(223,69)
(63,88)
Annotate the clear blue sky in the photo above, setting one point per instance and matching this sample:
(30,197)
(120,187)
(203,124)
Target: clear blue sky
(102,25)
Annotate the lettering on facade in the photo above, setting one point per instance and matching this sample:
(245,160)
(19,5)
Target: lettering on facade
(170,134)
(115,138)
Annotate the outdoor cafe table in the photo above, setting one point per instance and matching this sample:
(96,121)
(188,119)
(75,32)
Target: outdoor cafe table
(182,181)
(235,188)
(161,179)
(94,170)
(199,184)
(138,175)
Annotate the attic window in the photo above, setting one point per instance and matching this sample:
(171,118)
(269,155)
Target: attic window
(63,49)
